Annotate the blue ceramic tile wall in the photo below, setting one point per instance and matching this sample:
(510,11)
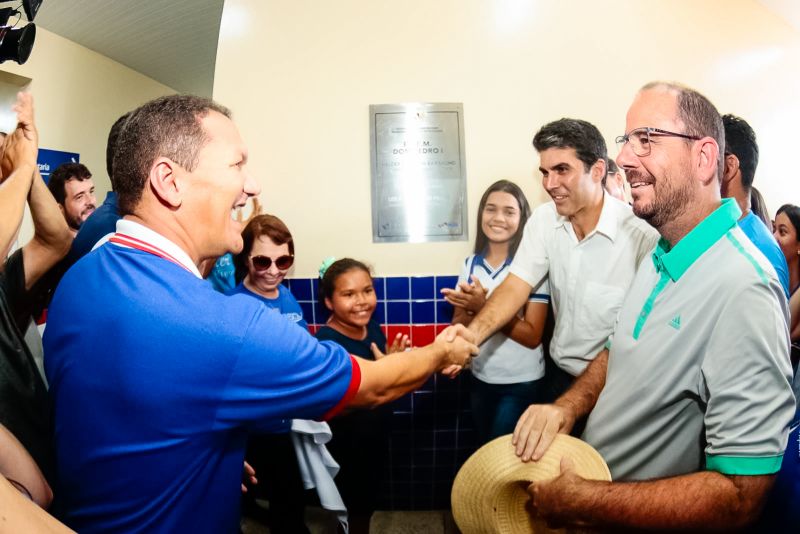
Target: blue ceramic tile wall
(397,288)
(301,289)
(406,300)
(422,287)
(398,312)
(423,311)
(431,429)
(430,439)
(443,282)
(380,288)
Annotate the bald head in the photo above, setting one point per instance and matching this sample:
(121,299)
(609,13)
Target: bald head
(698,116)
(672,157)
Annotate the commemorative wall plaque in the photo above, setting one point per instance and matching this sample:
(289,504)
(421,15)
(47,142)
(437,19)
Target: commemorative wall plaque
(418,173)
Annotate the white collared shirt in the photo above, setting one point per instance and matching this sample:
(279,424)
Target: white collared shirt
(143,233)
(588,278)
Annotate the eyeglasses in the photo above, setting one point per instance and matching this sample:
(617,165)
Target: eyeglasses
(262,263)
(640,139)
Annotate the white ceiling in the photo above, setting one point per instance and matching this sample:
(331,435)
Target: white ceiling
(172,41)
(175,41)
(788,10)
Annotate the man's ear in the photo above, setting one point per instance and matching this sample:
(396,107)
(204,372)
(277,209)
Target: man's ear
(707,160)
(731,167)
(328,304)
(164,182)
(599,170)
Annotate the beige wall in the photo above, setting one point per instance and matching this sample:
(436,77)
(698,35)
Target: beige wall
(78,94)
(300,76)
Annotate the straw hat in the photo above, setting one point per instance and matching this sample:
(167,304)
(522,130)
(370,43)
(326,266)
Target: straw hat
(489,491)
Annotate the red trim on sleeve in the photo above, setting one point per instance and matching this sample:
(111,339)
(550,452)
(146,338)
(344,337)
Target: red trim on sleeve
(352,389)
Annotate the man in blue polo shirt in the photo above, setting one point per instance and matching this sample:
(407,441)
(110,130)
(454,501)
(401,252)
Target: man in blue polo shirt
(690,403)
(741,160)
(156,378)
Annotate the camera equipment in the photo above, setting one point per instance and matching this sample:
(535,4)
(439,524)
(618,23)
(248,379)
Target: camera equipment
(16,43)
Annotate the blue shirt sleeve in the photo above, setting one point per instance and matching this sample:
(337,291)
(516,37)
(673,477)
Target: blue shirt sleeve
(282,371)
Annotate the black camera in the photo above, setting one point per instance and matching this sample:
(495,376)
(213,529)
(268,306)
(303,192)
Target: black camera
(16,43)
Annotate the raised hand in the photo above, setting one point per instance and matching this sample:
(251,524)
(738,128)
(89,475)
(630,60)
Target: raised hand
(400,343)
(376,352)
(24,110)
(255,212)
(20,146)
(471,297)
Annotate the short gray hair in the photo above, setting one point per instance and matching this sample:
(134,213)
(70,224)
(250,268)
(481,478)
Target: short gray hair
(165,127)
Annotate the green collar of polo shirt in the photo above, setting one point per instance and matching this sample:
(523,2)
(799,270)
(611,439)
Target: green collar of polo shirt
(672,262)
(676,260)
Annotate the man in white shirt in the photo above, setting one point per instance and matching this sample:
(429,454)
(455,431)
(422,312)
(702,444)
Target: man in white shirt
(615,182)
(585,242)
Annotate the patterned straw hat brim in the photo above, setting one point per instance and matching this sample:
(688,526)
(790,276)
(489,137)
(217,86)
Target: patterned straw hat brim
(489,493)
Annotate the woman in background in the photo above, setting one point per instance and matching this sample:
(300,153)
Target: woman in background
(265,259)
(787,225)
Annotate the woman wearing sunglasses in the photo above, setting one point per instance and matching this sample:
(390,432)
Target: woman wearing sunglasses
(267,255)
(261,266)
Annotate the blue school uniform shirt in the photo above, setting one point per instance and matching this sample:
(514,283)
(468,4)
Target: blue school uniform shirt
(157,380)
(755,229)
(284,303)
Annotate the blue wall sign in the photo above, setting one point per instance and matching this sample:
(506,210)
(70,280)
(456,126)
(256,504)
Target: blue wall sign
(48,160)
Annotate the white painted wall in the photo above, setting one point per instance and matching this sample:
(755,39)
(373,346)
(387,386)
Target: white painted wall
(300,76)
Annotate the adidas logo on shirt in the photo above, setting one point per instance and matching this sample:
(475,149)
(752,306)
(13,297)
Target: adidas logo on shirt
(676,322)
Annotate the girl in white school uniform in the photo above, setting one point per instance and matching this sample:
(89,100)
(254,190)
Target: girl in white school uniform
(507,375)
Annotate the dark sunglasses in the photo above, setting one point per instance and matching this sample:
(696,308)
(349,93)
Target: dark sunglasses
(262,263)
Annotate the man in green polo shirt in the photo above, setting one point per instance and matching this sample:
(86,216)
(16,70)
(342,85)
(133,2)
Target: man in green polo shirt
(691,401)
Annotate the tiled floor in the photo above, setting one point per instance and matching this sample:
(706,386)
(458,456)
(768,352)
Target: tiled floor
(321,521)
(432,522)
